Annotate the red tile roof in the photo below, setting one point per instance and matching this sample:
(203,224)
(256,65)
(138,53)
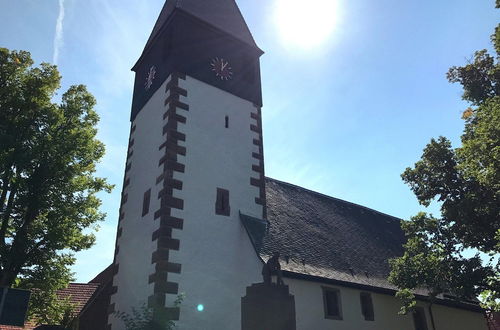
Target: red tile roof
(79,294)
(493,320)
(28,326)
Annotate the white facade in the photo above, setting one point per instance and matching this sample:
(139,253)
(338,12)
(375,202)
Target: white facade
(135,244)
(217,257)
(309,307)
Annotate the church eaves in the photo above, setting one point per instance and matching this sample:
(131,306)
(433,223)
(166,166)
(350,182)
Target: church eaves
(222,14)
(325,239)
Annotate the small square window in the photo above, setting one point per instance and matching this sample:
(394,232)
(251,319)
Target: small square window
(419,319)
(332,303)
(367,306)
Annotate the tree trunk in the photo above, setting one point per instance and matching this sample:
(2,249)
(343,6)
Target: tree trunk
(6,216)
(5,185)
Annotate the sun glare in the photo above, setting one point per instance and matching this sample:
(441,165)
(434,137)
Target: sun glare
(306,23)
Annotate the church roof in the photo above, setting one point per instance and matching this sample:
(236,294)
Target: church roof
(223,14)
(325,237)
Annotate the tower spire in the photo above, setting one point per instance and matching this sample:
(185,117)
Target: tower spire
(221,14)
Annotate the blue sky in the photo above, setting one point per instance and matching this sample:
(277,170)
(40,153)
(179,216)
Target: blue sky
(344,118)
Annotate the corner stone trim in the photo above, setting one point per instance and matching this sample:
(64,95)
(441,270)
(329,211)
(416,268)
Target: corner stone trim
(259,168)
(119,231)
(163,236)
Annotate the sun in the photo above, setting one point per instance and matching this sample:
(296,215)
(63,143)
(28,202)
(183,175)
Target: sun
(306,24)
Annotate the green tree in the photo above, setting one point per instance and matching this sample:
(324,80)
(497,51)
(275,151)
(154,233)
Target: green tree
(143,318)
(45,306)
(48,156)
(56,310)
(465,181)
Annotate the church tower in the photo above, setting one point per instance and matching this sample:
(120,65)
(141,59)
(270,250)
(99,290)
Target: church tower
(195,162)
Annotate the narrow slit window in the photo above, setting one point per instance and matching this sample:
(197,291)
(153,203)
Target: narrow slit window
(222,202)
(367,306)
(332,303)
(227,121)
(145,202)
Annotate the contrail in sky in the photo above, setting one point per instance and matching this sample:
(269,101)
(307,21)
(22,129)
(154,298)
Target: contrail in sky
(58,38)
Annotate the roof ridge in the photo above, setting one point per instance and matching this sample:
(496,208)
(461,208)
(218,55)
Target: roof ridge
(170,6)
(334,198)
(244,21)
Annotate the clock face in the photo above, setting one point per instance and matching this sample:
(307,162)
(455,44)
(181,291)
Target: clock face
(222,68)
(150,77)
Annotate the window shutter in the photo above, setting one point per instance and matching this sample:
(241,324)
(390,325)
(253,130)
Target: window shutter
(367,306)
(222,202)
(332,303)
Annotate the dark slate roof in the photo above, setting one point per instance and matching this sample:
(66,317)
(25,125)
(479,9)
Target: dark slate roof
(104,277)
(325,239)
(223,14)
(329,238)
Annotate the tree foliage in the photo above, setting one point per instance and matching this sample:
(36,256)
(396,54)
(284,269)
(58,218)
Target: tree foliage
(143,318)
(48,156)
(465,181)
(56,311)
(45,306)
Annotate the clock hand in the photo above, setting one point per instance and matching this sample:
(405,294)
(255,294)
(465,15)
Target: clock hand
(223,66)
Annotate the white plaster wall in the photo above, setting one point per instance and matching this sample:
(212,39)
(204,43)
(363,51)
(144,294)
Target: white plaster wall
(447,318)
(310,311)
(218,260)
(136,246)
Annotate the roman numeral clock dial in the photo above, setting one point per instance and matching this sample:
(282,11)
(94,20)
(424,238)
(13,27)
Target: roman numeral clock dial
(222,68)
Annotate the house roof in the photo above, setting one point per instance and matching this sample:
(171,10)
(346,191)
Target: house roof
(79,294)
(223,14)
(493,319)
(11,327)
(329,238)
(104,277)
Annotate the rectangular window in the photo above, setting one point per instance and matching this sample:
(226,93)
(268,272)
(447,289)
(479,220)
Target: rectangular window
(419,319)
(222,202)
(367,306)
(332,303)
(145,202)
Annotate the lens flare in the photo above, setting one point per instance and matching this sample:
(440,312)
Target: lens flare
(306,23)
